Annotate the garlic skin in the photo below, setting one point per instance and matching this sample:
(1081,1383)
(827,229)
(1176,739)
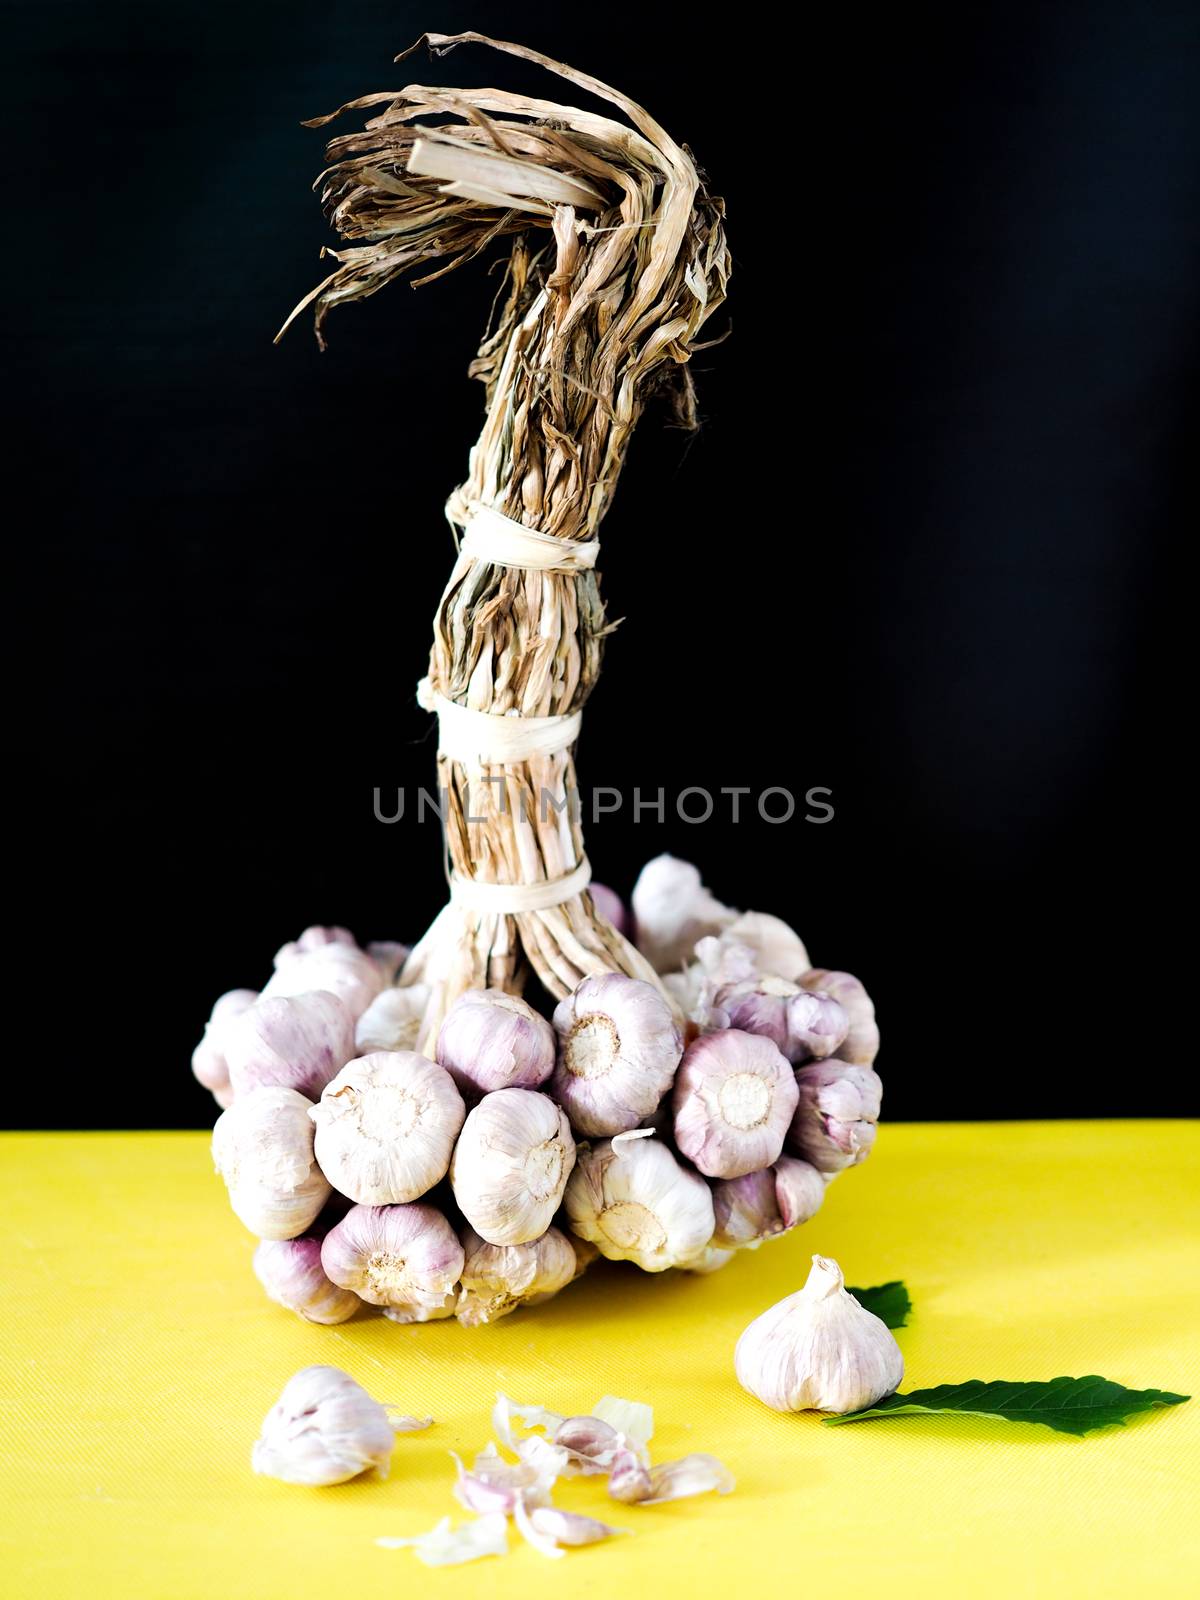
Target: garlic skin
(290,1271)
(385,1127)
(406,1258)
(861,1044)
(763,1205)
(618,1050)
(836,1113)
(208,1058)
(819,1350)
(342,969)
(492,1040)
(735,1095)
(511,1165)
(801,1023)
(496,1279)
(672,910)
(635,1202)
(392,1021)
(295,1043)
(263,1148)
(323,1429)
(610,906)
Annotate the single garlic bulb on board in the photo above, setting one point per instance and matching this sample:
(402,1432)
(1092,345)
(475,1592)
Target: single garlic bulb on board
(632,1200)
(297,1042)
(392,1021)
(290,1271)
(323,1429)
(618,1050)
(836,1113)
(263,1148)
(672,910)
(385,1127)
(800,1024)
(819,1350)
(511,1165)
(735,1094)
(406,1258)
(861,1044)
(762,1205)
(496,1279)
(491,1040)
(208,1058)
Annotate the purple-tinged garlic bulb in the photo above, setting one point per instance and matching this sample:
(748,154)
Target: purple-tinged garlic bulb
(511,1165)
(735,1095)
(801,1024)
(755,943)
(618,1047)
(861,1044)
(208,1059)
(386,1126)
(392,1021)
(838,1107)
(762,1205)
(324,1429)
(496,1279)
(342,969)
(634,1201)
(406,1258)
(491,1040)
(263,1148)
(290,1271)
(672,910)
(299,1042)
(610,906)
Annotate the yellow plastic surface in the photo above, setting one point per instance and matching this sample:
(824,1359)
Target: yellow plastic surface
(138,1356)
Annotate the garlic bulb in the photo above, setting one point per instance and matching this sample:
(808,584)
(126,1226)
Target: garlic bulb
(492,1040)
(761,1205)
(610,906)
(290,1271)
(671,910)
(819,1350)
(861,1044)
(208,1058)
(496,1279)
(263,1148)
(800,1023)
(836,1113)
(511,1164)
(392,1021)
(342,969)
(324,1428)
(385,1127)
(389,956)
(298,1042)
(618,1050)
(634,1201)
(735,1094)
(315,938)
(404,1257)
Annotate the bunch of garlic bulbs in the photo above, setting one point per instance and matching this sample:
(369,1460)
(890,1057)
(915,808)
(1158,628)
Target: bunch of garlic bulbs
(490,1176)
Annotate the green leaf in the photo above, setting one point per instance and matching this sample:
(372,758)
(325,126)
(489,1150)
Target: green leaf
(1069,1405)
(887,1301)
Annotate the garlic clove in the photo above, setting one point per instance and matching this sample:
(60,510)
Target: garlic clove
(819,1350)
(263,1148)
(636,1202)
(208,1058)
(494,1484)
(694,1474)
(290,1271)
(837,1110)
(447,1546)
(861,1044)
(492,1040)
(297,1042)
(629,1478)
(404,1257)
(392,1021)
(619,1047)
(511,1164)
(496,1279)
(672,910)
(323,1429)
(340,968)
(762,1205)
(546,1527)
(386,1126)
(610,906)
(735,1096)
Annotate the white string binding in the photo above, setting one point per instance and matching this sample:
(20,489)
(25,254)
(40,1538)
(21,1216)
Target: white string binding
(485,737)
(507,899)
(491,536)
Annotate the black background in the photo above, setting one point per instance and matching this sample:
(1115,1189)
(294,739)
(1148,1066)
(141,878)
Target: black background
(944,448)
